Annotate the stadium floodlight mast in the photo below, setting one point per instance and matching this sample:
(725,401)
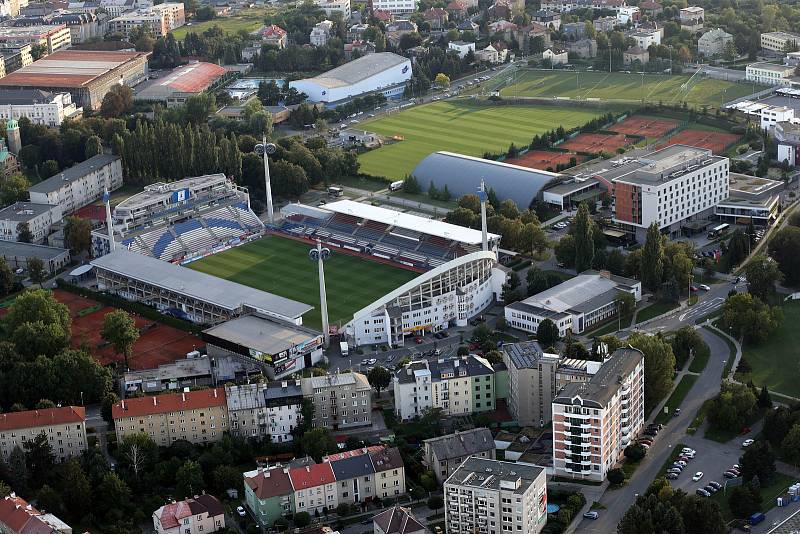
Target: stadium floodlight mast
(109,222)
(265,149)
(482,196)
(319,255)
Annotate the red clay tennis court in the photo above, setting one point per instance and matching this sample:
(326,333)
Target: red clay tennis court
(545,159)
(717,142)
(646,127)
(157,344)
(594,143)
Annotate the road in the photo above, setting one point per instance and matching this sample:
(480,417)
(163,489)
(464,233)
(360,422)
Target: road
(618,501)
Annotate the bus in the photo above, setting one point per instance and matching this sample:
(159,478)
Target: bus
(718,230)
(396,186)
(335,191)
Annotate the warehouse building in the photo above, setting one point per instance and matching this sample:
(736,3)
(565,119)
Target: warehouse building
(463,174)
(81,184)
(383,72)
(183,82)
(18,254)
(86,75)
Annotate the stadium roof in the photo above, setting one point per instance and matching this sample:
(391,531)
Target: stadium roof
(161,192)
(191,78)
(359,69)
(462,175)
(201,286)
(56,182)
(262,335)
(408,221)
(68,68)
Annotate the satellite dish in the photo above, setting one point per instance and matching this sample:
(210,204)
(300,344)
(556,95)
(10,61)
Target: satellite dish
(268,148)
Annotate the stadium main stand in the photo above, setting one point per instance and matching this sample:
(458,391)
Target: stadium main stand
(183,219)
(403,238)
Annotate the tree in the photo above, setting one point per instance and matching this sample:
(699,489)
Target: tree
(109,400)
(39,459)
(189,479)
(226,477)
(442,80)
(584,241)
(198,107)
(764,399)
(758,460)
(791,445)
(762,274)
(269,93)
(732,407)
(24,234)
(17,469)
(659,366)
(379,377)
(565,251)
(14,189)
(435,502)
(78,235)
(749,318)
(317,443)
(653,258)
(118,101)
(6,278)
(137,454)
(649,514)
(112,493)
(616,476)
(49,168)
(36,271)
(635,452)
(94,146)
(38,324)
(785,248)
(76,491)
(744,500)
(302,519)
(49,500)
(547,333)
(702,515)
(119,329)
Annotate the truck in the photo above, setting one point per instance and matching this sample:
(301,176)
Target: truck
(343,348)
(756,518)
(396,186)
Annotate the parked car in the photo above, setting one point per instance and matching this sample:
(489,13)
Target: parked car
(672,476)
(715,485)
(697,476)
(418,340)
(711,489)
(687,450)
(730,474)
(677,412)
(674,471)
(240,511)
(702,492)
(591,515)
(704,287)
(747,442)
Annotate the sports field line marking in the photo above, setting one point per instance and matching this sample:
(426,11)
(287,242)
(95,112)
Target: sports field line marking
(595,85)
(654,88)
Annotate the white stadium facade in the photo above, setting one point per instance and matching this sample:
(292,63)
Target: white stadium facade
(382,72)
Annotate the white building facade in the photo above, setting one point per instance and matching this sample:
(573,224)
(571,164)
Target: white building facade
(50,109)
(80,184)
(770,74)
(264,410)
(396,7)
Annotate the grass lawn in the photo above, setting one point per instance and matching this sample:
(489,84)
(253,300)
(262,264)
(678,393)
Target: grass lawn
(423,198)
(281,266)
(624,87)
(700,360)
(776,362)
(654,310)
(698,418)
(675,400)
(461,127)
(248,20)
(769,492)
(362,183)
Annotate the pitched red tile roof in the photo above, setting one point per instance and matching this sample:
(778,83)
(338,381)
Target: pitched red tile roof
(18,517)
(270,483)
(311,476)
(273,30)
(171,514)
(382,15)
(386,458)
(353,453)
(171,402)
(44,417)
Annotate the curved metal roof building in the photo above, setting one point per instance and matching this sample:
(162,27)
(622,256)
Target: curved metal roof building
(462,175)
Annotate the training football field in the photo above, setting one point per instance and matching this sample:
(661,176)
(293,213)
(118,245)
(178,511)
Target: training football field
(654,88)
(461,127)
(281,266)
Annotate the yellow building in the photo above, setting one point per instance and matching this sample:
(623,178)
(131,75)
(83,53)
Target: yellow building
(65,429)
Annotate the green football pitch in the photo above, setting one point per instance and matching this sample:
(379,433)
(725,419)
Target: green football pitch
(461,127)
(281,266)
(632,87)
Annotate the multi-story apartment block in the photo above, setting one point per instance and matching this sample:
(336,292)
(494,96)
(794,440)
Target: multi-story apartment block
(80,184)
(39,218)
(594,421)
(265,409)
(363,475)
(770,74)
(41,107)
(340,400)
(779,41)
(195,416)
(64,427)
(51,36)
(666,187)
(444,454)
(395,7)
(574,370)
(161,19)
(692,18)
(268,494)
(457,386)
(16,57)
(335,6)
(713,42)
(199,515)
(531,382)
(494,497)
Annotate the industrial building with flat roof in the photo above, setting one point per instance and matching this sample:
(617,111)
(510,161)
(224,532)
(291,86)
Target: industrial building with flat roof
(17,255)
(463,174)
(751,199)
(81,184)
(574,305)
(181,83)
(86,75)
(383,72)
(193,295)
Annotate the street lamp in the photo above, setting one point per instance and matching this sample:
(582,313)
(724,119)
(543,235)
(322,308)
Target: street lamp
(319,255)
(265,149)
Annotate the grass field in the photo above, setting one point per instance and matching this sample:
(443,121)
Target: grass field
(281,266)
(676,399)
(777,486)
(248,20)
(776,362)
(460,127)
(654,310)
(624,87)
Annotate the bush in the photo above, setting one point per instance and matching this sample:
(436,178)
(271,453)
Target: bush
(435,502)
(616,476)
(302,519)
(635,452)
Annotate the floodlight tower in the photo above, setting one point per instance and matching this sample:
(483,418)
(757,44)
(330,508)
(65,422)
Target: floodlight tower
(109,223)
(319,255)
(482,196)
(264,149)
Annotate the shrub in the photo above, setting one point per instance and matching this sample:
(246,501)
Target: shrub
(616,476)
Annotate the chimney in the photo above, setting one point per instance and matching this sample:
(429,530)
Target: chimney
(284,384)
(215,393)
(308,469)
(123,405)
(155,402)
(183,397)
(266,473)
(286,470)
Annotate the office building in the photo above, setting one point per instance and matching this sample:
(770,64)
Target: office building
(38,218)
(263,410)
(458,386)
(341,400)
(194,416)
(495,497)
(65,428)
(594,421)
(574,305)
(531,382)
(444,454)
(79,185)
(395,7)
(751,199)
(770,74)
(779,41)
(40,107)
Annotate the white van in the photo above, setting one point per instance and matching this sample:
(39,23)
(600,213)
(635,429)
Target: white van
(343,348)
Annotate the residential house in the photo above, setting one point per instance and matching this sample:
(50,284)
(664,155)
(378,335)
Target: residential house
(502,27)
(340,400)
(381,15)
(575,30)
(204,513)
(634,54)
(469,26)
(390,473)
(272,35)
(397,29)
(268,494)
(314,488)
(359,48)
(645,38)
(397,520)
(605,24)
(65,428)
(444,454)
(356,32)
(548,19)
(651,8)
(583,48)
(557,56)
(457,10)
(19,517)
(355,476)
(526,34)
(488,55)
(500,10)
(713,43)
(461,47)
(692,18)
(320,33)
(436,17)
(651,26)
(626,14)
